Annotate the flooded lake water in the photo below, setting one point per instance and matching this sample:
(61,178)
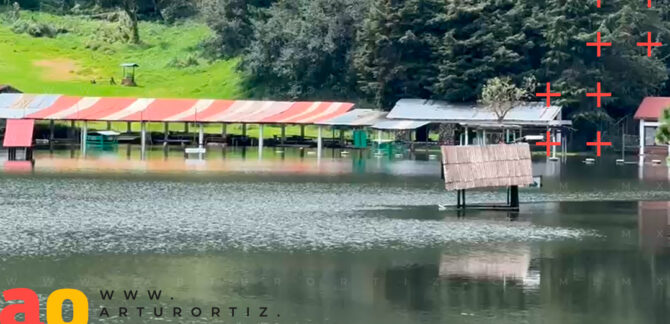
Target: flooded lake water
(349,238)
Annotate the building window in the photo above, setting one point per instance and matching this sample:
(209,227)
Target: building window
(650,136)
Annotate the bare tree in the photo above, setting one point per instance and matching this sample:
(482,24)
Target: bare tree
(500,95)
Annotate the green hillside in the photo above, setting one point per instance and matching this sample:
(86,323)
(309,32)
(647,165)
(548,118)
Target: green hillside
(170,65)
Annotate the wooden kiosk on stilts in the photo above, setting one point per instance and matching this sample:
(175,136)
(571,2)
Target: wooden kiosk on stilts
(487,166)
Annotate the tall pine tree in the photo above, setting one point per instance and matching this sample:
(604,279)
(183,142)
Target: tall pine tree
(395,56)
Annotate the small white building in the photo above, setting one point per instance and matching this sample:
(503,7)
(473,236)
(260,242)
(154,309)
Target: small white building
(648,114)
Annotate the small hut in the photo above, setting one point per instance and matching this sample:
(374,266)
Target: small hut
(128,70)
(487,166)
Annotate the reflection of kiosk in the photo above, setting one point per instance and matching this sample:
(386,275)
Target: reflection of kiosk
(511,265)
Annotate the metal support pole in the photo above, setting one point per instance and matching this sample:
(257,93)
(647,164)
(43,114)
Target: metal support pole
(143,139)
(260,141)
(128,128)
(467,136)
(483,137)
(166,132)
(84,132)
(283,134)
(319,141)
(51,134)
(244,130)
(302,132)
(201,140)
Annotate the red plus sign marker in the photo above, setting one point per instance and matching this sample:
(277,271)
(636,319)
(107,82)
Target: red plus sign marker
(548,94)
(649,44)
(598,143)
(599,94)
(548,143)
(598,44)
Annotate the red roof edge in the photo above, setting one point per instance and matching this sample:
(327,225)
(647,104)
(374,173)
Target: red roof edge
(652,108)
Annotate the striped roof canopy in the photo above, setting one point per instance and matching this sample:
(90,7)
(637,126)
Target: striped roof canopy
(58,107)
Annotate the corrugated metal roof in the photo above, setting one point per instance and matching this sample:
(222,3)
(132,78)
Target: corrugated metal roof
(413,109)
(59,107)
(499,165)
(399,124)
(356,117)
(651,108)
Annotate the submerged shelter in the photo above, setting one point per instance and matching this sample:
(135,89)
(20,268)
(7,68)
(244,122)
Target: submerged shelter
(487,166)
(475,124)
(649,113)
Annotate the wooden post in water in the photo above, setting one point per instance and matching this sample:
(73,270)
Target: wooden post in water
(514,197)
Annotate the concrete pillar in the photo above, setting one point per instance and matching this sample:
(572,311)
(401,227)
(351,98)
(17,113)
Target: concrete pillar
(84,131)
(319,141)
(260,141)
(143,139)
(483,137)
(553,148)
(166,131)
(467,136)
(642,137)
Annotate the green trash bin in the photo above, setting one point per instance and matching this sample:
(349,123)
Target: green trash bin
(360,139)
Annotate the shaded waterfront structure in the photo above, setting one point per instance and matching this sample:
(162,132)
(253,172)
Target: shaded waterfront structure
(151,110)
(410,121)
(648,114)
(473,124)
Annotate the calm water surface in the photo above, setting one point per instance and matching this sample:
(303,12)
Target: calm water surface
(348,239)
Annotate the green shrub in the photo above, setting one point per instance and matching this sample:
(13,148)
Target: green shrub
(188,61)
(36,29)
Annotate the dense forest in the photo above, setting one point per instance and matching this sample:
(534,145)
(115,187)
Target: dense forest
(377,51)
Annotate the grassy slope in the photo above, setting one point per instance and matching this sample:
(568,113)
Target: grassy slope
(161,44)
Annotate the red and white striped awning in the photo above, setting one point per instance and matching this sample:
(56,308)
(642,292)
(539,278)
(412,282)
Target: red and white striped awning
(168,110)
